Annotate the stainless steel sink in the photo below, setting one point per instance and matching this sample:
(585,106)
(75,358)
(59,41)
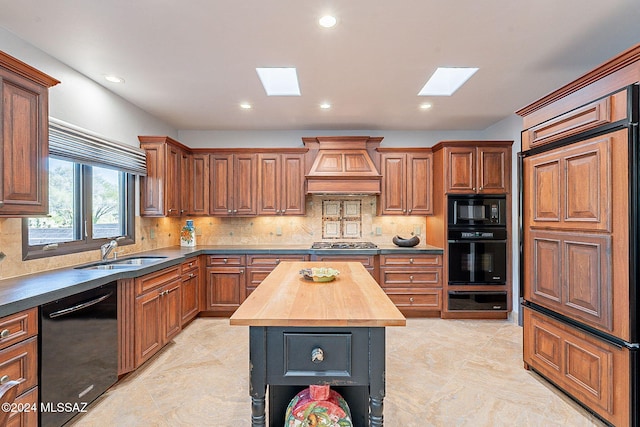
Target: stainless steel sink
(123,264)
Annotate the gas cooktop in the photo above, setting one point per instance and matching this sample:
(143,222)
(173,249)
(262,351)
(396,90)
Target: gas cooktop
(343,245)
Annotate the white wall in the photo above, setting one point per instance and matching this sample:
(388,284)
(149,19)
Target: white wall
(82,102)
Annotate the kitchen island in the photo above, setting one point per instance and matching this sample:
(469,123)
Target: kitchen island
(292,320)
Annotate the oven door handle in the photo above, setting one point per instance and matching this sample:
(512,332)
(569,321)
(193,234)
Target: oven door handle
(66,311)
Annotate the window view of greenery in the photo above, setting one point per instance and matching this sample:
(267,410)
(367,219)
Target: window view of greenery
(70,214)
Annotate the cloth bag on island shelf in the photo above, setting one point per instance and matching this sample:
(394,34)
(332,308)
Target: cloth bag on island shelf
(318,406)
(188,234)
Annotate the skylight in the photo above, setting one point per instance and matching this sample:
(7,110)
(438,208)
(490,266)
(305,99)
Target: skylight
(445,81)
(279,81)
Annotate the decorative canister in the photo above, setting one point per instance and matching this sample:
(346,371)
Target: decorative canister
(188,234)
(318,406)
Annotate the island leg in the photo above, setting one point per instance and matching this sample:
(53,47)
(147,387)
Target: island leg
(258,375)
(376,376)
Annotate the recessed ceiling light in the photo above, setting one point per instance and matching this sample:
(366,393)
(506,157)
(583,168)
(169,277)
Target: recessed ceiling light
(279,81)
(113,79)
(327,21)
(425,106)
(445,81)
(245,106)
(325,105)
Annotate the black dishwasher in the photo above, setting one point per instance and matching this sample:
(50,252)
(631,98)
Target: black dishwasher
(78,352)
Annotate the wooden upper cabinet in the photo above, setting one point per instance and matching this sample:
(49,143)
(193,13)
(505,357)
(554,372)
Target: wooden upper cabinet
(407,187)
(281,184)
(482,168)
(24,141)
(233,190)
(161,191)
(198,184)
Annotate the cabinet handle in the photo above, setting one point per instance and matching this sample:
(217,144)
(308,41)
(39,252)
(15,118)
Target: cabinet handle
(317,355)
(5,333)
(4,379)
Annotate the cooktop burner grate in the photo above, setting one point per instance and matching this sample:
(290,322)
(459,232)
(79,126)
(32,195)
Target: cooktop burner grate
(344,245)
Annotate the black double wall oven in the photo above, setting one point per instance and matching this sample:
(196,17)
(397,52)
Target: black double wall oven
(477,252)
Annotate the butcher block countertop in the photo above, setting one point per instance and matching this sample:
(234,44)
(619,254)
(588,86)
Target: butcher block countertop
(284,298)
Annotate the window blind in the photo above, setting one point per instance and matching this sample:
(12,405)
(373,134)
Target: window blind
(70,142)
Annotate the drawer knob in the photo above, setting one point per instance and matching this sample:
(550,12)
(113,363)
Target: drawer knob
(317,355)
(411,278)
(5,333)
(225,260)
(410,260)
(411,299)
(4,379)
(277,260)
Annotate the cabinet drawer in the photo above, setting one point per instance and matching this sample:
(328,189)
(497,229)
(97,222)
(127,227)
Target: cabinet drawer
(411,277)
(18,326)
(225,260)
(410,260)
(606,110)
(313,356)
(429,299)
(190,264)
(366,260)
(593,371)
(25,418)
(155,279)
(272,260)
(20,362)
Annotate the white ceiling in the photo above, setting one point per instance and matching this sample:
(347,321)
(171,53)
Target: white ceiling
(192,62)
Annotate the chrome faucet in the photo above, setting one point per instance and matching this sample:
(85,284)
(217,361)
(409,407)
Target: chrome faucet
(106,249)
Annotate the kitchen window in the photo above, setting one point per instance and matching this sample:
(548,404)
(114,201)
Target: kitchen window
(91,194)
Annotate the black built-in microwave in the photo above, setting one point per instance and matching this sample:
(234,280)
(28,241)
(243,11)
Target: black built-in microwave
(477,210)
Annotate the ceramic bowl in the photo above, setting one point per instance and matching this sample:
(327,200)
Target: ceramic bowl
(407,243)
(319,274)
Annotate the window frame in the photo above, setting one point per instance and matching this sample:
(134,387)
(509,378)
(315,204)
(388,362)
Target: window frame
(86,242)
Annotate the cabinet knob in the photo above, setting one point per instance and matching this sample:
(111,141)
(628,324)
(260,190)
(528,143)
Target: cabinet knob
(317,355)
(410,210)
(474,188)
(411,299)
(181,211)
(480,188)
(277,211)
(277,260)
(229,211)
(411,278)
(5,333)
(170,210)
(404,210)
(225,260)
(284,210)
(410,260)
(4,379)
(190,274)
(235,211)
(242,271)
(190,264)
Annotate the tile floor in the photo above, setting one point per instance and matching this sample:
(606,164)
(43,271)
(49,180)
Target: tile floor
(439,373)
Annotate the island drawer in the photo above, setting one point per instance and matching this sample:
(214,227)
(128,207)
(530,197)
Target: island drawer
(225,260)
(411,260)
(17,327)
(304,354)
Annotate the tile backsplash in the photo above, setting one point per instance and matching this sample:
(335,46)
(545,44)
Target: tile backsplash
(153,233)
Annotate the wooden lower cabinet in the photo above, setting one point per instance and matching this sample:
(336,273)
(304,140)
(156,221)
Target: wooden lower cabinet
(190,289)
(593,371)
(413,282)
(157,312)
(225,282)
(19,361)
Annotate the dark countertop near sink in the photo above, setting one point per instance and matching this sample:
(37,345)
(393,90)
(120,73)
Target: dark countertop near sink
(24,292)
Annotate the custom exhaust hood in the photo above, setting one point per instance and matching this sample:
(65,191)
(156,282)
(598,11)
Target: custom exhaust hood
(343,165)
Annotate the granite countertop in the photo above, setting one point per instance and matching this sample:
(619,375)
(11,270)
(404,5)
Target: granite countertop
(24,292)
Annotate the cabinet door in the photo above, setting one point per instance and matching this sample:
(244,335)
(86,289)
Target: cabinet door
(171,316)
(494,170)
(199,185)
(245,183)
(419,184)
(460,170)
(221,171)
(292,199)
(225,288)
(149,332)
(152,192)
(269,185)
(394,184)
(172,178)
(24,146)
(183,186)
(190,295)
